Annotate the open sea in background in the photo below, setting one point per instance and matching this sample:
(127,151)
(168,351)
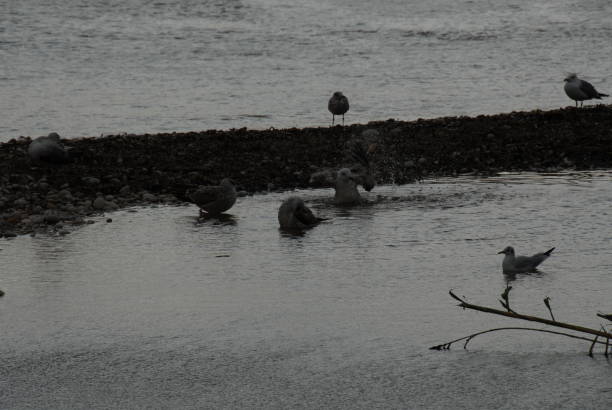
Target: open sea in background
(105,67)
(158,310)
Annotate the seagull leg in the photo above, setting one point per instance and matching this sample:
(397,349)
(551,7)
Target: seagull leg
(343,120)
(333,119)
(576,103)
(581,102)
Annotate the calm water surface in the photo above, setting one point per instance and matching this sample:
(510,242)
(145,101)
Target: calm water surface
(99,67)
(158,310)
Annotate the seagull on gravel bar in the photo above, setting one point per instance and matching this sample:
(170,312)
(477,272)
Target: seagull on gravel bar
(338,105)
(580,90)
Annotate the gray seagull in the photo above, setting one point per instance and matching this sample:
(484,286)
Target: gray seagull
(48,150)
(580,90)
(522,264)
(338,105)
(213,200)
(293,214)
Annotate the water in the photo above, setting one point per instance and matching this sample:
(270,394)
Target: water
(158,310)
(100,67)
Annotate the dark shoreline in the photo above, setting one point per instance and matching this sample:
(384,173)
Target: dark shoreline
(124,170)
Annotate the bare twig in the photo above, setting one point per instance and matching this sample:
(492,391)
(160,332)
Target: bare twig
(592,345)
(447,345)
(515,315)
(547,303)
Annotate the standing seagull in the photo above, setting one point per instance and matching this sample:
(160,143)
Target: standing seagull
(338,105)
(214,200)
(580,90)
(48,150)
(522,264)
(293,214)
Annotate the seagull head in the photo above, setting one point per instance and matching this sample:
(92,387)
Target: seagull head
(508,250)
(338,94)
(570,77)
(345,175)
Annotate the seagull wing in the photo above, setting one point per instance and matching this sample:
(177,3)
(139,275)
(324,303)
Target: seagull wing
(305,216)
(207,194)
(588,89)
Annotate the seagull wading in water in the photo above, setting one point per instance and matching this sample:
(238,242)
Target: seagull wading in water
(338,105)
(214,200)
(522,264)
(580,90)
(346,188)
(293,214)
(48,150)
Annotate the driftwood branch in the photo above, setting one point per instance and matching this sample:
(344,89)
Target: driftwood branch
(512,314)
(447,345)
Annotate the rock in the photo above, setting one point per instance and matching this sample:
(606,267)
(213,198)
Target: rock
(90,180)
(20,203)
(146,196)
(99,203)
(125,190)
(370,133)
(51,217)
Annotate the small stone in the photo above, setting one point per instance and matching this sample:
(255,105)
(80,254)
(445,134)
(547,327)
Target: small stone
(63,232)
(90,180)
(109,220)
(99,203)
(10,234)
(50,217)
(370,133)
(124,190)
(20,203)
(146,196)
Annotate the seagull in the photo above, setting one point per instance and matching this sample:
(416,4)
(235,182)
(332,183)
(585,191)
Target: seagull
(293,214)
(346,188)
(338,105)
(214,200)
(522,264)
(48,150)
(580,90)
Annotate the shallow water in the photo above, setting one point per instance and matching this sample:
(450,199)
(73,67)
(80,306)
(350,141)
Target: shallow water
(159,310)
(100,67)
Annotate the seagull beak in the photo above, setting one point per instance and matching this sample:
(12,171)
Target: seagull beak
(500,252)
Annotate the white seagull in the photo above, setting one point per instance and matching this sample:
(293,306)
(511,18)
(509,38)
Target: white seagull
(346,188)
(522,264)
(580,90)
(214,200)
(338,105)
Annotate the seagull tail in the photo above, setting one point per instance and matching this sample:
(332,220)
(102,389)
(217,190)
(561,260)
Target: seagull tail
(602,95)
(548,252)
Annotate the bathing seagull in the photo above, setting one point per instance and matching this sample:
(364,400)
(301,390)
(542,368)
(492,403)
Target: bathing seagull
(214,200)
(48,150)
(338,105)
(522,264)
(293,214)
(346,188)
(580,90)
